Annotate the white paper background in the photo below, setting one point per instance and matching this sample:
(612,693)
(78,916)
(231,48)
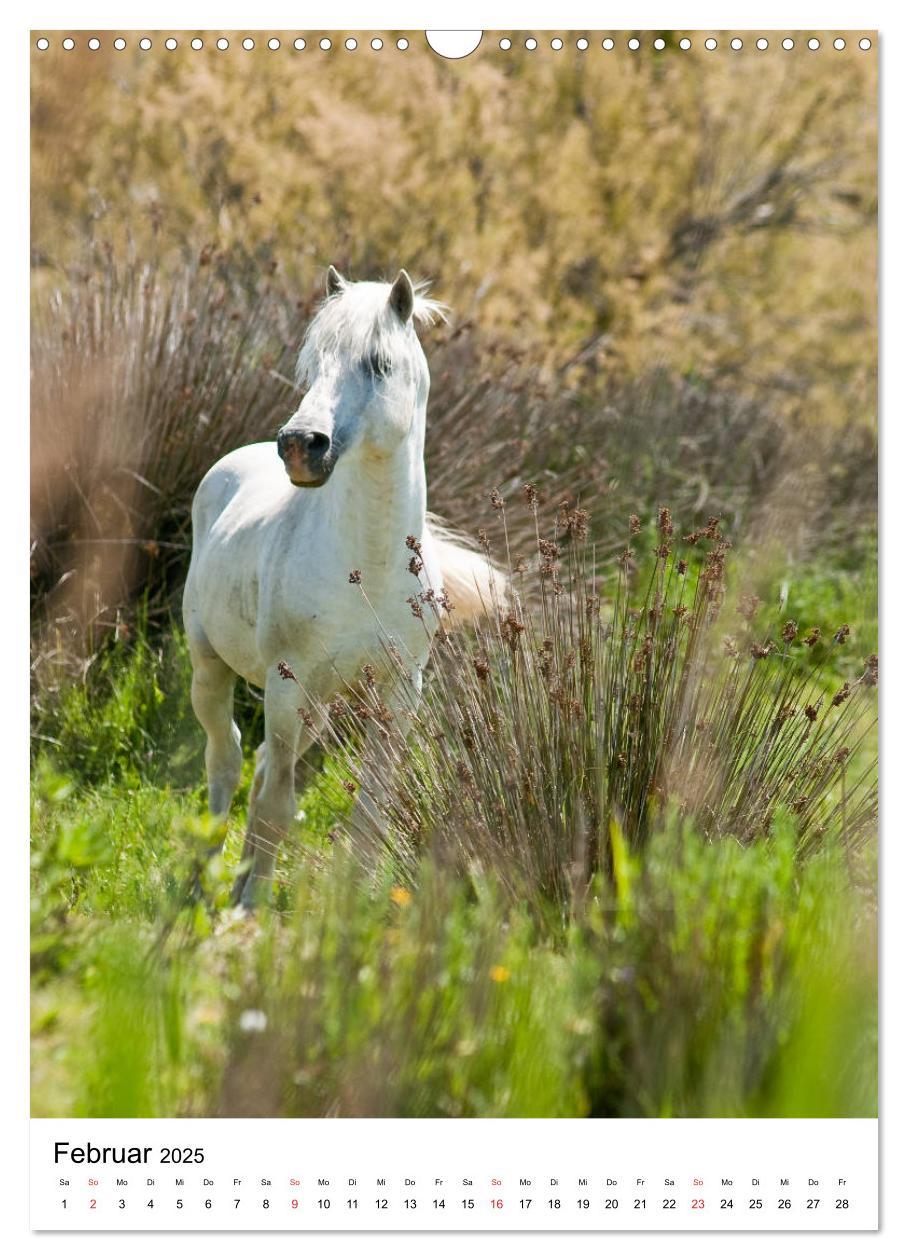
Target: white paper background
(832,15)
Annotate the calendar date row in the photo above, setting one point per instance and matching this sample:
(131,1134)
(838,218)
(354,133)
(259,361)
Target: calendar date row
(469,1204)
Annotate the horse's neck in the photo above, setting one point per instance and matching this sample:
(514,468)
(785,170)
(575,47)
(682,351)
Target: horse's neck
(376,502)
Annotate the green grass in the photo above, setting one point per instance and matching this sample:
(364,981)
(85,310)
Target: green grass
(687,969)
(707,979)
(718,980)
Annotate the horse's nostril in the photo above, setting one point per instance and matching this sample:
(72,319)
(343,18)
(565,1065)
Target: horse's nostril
(317,444)
(304,445)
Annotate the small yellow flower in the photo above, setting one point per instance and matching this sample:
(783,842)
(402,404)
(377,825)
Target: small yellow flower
(499,974)
(207,1013)
(401,896)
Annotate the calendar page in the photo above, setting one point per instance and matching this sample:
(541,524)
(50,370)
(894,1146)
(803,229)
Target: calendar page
(454,630)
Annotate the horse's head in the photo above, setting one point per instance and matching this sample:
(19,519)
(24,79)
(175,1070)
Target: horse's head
(367,377)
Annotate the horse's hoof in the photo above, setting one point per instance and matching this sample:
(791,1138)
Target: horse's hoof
(251,892)
(244,874)
(231,918)
(255,894)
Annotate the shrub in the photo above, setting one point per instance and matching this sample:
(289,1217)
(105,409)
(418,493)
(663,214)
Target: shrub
(588,704)
(141,382)
(146,373)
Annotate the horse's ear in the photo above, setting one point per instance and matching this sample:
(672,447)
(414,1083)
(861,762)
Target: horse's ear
(401,297)
(334,281)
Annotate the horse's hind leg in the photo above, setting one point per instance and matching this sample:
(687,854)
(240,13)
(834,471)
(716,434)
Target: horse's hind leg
(212,701)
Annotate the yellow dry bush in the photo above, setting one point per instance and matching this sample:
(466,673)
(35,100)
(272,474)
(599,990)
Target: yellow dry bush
(711,212)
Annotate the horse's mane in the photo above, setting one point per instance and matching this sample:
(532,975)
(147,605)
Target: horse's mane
(358,323)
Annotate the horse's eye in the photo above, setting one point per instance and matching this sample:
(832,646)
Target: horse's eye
(377,364)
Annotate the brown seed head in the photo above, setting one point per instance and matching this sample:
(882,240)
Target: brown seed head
(713,571)
(511,630)
(576,521)
(747,606)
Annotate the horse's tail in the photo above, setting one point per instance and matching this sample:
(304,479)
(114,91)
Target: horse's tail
(473,584)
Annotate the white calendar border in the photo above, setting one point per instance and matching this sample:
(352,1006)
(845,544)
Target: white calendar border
(14,630)
(412,15)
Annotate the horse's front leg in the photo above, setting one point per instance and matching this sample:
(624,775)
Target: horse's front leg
(273,798)
(383,748)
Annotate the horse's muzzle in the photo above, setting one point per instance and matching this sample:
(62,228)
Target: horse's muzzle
(307,456)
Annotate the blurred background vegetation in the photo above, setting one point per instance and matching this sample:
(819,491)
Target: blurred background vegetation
(661,269)
(711,213)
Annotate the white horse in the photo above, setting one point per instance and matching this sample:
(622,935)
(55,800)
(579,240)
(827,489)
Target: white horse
(277,533)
